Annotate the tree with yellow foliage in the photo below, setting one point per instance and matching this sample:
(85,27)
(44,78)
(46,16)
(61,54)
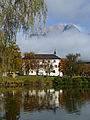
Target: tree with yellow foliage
(16,15)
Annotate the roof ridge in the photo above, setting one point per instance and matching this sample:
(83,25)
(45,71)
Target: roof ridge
(44,56)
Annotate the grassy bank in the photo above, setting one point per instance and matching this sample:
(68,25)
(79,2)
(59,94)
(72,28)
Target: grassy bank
(27,80)
(71,81)
(46,81)
(68,83)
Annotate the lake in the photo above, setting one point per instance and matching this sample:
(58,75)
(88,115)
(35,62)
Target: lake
(44,104)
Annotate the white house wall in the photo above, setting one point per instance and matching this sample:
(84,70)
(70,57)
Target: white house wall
(42,71)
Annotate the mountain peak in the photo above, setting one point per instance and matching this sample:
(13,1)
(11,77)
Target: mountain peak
(70,26)
(61,28)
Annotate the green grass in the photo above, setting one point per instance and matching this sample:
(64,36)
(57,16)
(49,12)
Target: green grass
(49,81)
(33,78)
(39,80)
(71,81)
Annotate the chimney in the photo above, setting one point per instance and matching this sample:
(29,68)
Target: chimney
(55,52)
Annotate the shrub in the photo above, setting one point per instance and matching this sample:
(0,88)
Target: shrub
(57,80)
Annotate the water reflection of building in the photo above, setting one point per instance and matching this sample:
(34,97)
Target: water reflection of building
(51,99)
(41,99)
(38,100)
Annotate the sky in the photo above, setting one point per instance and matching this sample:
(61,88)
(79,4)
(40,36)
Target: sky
(62,12)
(69,11)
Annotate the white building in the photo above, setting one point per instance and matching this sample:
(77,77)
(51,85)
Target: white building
(44,64)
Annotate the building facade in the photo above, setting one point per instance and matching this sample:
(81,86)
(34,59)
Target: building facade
(42,64)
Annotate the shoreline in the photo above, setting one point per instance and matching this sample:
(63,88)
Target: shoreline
(36,81)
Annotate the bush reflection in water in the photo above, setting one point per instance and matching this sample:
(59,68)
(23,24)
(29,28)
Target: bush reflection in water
(14,102)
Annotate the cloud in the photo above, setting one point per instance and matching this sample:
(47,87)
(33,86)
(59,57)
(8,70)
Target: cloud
(65,43)
(69,10)
(63,11)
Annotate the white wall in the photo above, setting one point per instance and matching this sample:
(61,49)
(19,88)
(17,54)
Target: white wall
(54,62)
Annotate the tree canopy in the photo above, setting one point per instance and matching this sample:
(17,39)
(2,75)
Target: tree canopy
(17,14)
(71,66)
(11,59)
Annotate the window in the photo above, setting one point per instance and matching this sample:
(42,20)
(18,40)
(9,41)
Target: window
(51,66)
(46,72)
(45,66)
(53,71)
(54,61)
(31,71)
(48,61)
(41,66)
(55,66)
(43,61)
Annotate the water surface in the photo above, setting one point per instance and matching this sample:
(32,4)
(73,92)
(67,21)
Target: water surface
(44,104)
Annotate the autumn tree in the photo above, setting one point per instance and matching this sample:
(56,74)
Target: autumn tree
(12,60)
(31,62)
(48,66)
(20,14)
(14,57)
(28,62)
(16,15)
(86,68)
(37,64)
(72,64)
(62,64)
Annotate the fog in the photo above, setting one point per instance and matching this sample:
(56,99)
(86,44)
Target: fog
(65,11)
(64,43)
